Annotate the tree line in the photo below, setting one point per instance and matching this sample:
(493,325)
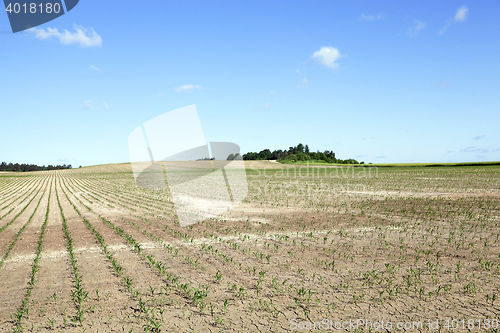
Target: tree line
(297,153)
(31,167)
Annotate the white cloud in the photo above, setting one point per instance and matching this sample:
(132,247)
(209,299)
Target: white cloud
(473,149)
(94,68)
(272,92)
(461,14)
(419,25)
(445,28)
(444,84)
(267,106)
(327,56)
(305,81)
(380,16)
(81,36)
(89,105)
(188,88)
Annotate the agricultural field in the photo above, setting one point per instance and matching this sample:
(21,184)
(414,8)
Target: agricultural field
(86,250)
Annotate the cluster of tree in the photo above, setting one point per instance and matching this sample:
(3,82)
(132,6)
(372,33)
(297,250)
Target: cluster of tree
(297,153)
(31,167)
(234,156)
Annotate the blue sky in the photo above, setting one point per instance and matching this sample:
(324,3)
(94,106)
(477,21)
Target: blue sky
(381,82)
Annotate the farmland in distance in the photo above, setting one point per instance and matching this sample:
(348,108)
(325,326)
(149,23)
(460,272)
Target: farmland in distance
(87,250)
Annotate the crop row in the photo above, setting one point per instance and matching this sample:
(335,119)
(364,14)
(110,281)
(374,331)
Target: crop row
(20,231)
(35,267)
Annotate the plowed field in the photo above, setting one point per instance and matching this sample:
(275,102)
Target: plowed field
(86,250)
